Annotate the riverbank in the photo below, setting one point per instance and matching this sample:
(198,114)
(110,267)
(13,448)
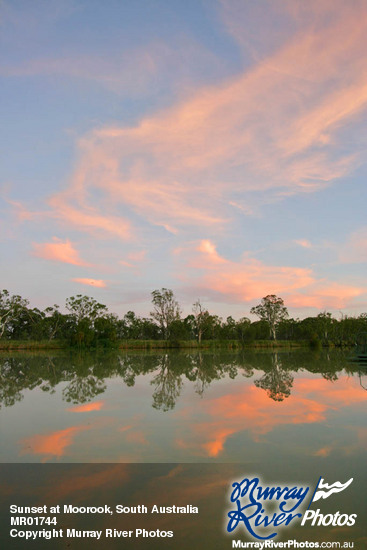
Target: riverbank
(14,345)
(209,344)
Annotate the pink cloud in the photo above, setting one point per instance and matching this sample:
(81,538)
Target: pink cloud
(250,279)
(244,280)
(210,252)
(99,283)
(58,251)
(324,294)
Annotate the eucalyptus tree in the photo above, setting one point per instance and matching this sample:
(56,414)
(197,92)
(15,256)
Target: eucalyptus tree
(325,324)
(52,321)
(271,310)
(166,310)
(201,319)
(11,307)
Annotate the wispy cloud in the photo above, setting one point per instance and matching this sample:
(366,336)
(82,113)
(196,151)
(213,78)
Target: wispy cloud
(274,128)
(282,121)
(130,71)
(305,243)
(58,251)
(99,283)
(355,249)
(133,259)
(86,216)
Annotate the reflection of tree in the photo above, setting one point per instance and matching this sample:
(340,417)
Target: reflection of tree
(331,376)
(9,386)
(83,389)
(85,374)
(203,370)
(14,377)
(131,365)
(277,382)
(203,376)
(362,384)
(168,385)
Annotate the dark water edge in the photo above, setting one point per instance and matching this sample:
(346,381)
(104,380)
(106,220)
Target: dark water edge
(204,486)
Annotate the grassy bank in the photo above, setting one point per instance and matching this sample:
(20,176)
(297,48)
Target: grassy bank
(209,344)
(157,344)
(31,344)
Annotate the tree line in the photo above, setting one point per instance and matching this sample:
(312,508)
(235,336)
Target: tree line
(88,323)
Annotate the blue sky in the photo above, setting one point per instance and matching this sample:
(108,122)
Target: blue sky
(216,148)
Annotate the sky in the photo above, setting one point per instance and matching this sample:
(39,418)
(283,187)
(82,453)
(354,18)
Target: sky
(216,148)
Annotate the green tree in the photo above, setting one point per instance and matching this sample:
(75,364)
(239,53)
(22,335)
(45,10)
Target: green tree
(229,329)
(243,330)
(130,326)
(11,308)
(84,307)
(84,313)
(272,310)
(166,310)
(214,328)
(105,330)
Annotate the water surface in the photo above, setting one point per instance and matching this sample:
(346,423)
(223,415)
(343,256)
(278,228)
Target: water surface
(261,408)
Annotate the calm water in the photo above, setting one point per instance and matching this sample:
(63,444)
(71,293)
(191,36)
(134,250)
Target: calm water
(258,408)
(199,420)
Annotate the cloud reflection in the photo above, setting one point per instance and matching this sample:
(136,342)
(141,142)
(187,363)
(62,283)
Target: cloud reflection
(96,406)
(53,444)
(249,409)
